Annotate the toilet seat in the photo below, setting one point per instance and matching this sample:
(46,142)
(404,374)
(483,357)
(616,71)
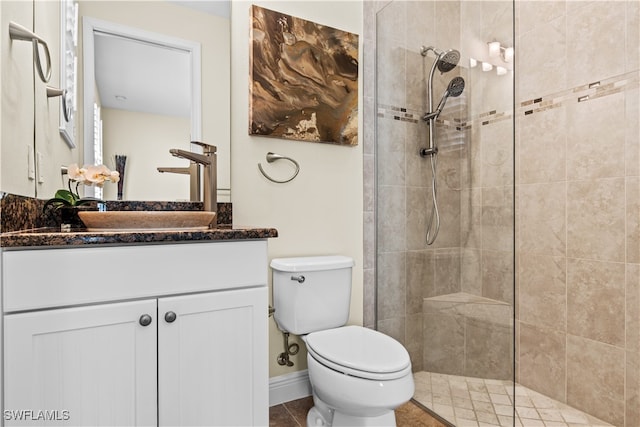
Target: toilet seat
(359,352)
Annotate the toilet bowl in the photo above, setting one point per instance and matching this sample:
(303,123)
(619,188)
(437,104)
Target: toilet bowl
(358,376)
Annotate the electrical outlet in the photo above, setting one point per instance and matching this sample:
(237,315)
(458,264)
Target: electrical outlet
(31,164)
(40,167)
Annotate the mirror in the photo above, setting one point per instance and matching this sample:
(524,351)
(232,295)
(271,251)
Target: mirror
(152,70)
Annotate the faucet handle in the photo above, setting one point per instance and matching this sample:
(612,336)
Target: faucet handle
(207,148)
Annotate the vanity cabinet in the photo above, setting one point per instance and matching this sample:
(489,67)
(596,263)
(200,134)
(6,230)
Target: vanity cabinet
(177,335)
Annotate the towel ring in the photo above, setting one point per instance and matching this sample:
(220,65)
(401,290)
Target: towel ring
(272,157)
(18,32)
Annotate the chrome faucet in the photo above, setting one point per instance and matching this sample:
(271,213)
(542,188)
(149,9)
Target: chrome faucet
(193,170)
(209,161)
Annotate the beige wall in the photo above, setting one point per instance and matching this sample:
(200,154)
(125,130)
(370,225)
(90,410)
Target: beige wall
(319,212)
(146,140)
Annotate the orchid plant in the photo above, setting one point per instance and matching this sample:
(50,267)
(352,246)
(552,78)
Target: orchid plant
(90,175)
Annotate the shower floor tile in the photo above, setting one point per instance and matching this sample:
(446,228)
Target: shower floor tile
(467,402)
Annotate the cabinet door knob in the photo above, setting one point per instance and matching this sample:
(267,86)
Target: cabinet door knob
(145,320)
(170,316)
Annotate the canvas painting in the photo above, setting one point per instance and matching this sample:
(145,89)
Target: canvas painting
(304,80)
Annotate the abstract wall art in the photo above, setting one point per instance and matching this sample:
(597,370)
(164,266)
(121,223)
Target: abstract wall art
(304,80)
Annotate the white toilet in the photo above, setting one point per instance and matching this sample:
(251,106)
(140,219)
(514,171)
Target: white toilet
(358,375)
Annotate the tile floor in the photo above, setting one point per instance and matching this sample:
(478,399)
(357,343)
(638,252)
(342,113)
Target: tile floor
(473,402)
(294,414)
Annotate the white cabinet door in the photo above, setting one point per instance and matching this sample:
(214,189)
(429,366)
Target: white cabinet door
(213,359)
(96,362)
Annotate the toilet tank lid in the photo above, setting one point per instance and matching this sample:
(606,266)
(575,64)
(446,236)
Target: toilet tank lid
(314,263)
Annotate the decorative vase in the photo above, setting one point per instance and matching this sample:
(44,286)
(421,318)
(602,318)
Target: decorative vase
(121,162)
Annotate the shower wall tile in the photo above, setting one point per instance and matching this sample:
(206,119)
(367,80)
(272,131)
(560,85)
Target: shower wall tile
(369,191)
(390,73)
(497,275)
(632,55)
(543,67)
(369,125)
(497,219)
(596,138)
(369,298)
(633,219)
(542,218)
(595,35)
(542,148)
(448,169)
(414,334)
(497,21)
(419,205)
(447,271)
(391,233)
(488,346)
(471,271)
(391,285)
(420,24)
(632,126)
(596,300)
(418,168)
(596,219)
(394,327)
(595,379)
(632,381)
(542,365)
(449,208)
(420,279)
(415,79)
(369,243)
(542,291)
(391,152)
(447,28)
(497,154)
(442,325)
(471,218)
(530,14)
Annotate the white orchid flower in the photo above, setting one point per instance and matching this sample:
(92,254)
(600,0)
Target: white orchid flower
(75,173)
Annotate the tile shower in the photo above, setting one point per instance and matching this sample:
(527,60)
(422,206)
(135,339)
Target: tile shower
(533,284)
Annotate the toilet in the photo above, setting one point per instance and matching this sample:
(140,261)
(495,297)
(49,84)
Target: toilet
(358,376)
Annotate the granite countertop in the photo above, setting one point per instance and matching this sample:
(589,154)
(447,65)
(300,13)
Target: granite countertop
(48,237)
(23,225)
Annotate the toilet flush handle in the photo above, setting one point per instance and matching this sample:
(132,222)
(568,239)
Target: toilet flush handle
(299,279)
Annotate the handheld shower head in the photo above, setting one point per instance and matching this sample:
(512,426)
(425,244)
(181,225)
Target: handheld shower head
(455,89)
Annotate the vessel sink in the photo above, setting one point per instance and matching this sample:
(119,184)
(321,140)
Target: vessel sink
(146,220)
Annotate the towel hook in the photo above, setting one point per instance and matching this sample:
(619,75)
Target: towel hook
(272,157)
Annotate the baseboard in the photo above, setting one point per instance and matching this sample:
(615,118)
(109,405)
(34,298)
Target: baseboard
(288,387)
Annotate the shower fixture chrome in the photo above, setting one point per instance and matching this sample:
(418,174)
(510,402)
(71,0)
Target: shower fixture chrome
(446,60)
(455,88)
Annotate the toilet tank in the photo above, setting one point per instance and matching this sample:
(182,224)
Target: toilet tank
(311,293)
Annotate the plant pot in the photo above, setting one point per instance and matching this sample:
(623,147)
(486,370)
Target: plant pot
(69,215)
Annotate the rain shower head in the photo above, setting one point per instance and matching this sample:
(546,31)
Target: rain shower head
(446,59)
(455,89)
